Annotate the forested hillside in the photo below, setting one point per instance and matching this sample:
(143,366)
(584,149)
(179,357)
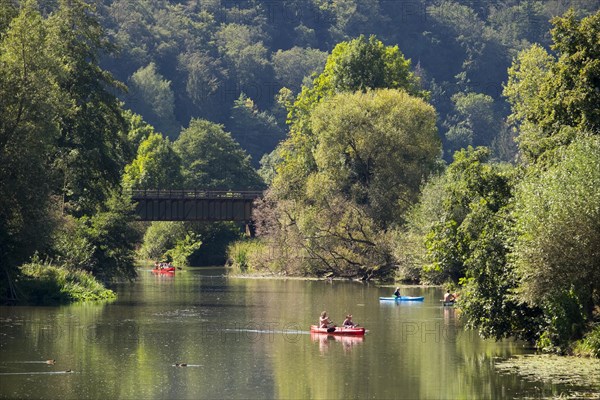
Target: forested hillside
(194,59)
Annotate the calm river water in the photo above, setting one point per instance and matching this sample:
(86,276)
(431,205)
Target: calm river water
(248,338)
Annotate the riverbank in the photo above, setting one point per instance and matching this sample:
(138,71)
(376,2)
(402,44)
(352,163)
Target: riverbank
(44,284)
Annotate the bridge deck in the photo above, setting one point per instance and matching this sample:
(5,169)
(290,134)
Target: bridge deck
(194,205)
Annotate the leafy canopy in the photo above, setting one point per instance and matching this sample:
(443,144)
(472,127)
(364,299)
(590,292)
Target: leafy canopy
(211,159)
(554,98)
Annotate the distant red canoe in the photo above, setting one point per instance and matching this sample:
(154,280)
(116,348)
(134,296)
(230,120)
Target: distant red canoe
(164,270)
(338,330)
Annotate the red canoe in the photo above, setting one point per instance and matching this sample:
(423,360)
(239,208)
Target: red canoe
(163,270)
(338,330)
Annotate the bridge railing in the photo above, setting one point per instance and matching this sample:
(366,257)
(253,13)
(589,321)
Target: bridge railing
(138,194)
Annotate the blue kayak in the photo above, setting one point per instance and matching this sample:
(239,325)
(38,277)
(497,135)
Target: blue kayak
(403,298)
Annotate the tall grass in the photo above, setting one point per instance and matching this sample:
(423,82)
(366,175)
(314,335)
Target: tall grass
(242,256)
(46,284)
(590,344)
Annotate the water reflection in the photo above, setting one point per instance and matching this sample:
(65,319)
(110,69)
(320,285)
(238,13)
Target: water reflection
(248,338)
(347,342)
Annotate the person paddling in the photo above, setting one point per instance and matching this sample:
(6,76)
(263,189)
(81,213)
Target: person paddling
(324,321)
(397,293)
(348,323)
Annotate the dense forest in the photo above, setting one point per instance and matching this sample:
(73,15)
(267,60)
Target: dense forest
(434,141)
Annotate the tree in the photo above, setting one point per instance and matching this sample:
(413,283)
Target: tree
(152,96)
(92,143)
(371,154)
(173,241)
(29,104)
(474,122)
(102,244)
(464,222)
(243,46)
(156,166)
(295,65)
(256,131)
(211,159)
(469,187)
(375,149)
(558,242)
(138,130)
(554,98)
(357,65)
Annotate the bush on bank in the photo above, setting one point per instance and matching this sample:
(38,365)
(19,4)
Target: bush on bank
(45,284)
(255,256)
(589,346)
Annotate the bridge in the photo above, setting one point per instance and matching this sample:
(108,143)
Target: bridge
(194,205)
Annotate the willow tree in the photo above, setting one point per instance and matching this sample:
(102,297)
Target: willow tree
(371,154)
(358,65)
(361,141)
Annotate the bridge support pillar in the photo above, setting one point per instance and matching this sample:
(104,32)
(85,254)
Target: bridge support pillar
(250,230)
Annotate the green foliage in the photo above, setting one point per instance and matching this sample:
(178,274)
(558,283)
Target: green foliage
(256,131)
(29,102)
(45,284)
(211,159)
(294,66)
(464,221)
(371,152)
(564,319)
(374,149)
(474,122)
(215,236)
(211,51)
(184,248)
(488,299)
(187,243)
(470,192)
(62,135)
(557,221)
(268,165)
(243,46)
(590,344)
(554,98)
(362,64)
(138,130)
(102,244)
(241,256)
(357,65)
(152,96)
(92,145)
(160,237)
(156,166)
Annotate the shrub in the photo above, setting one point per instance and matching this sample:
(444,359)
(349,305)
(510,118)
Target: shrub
(45,284)
(244,256)
(590,344)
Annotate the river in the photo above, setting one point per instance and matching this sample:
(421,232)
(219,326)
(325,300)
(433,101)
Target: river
(248,338)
